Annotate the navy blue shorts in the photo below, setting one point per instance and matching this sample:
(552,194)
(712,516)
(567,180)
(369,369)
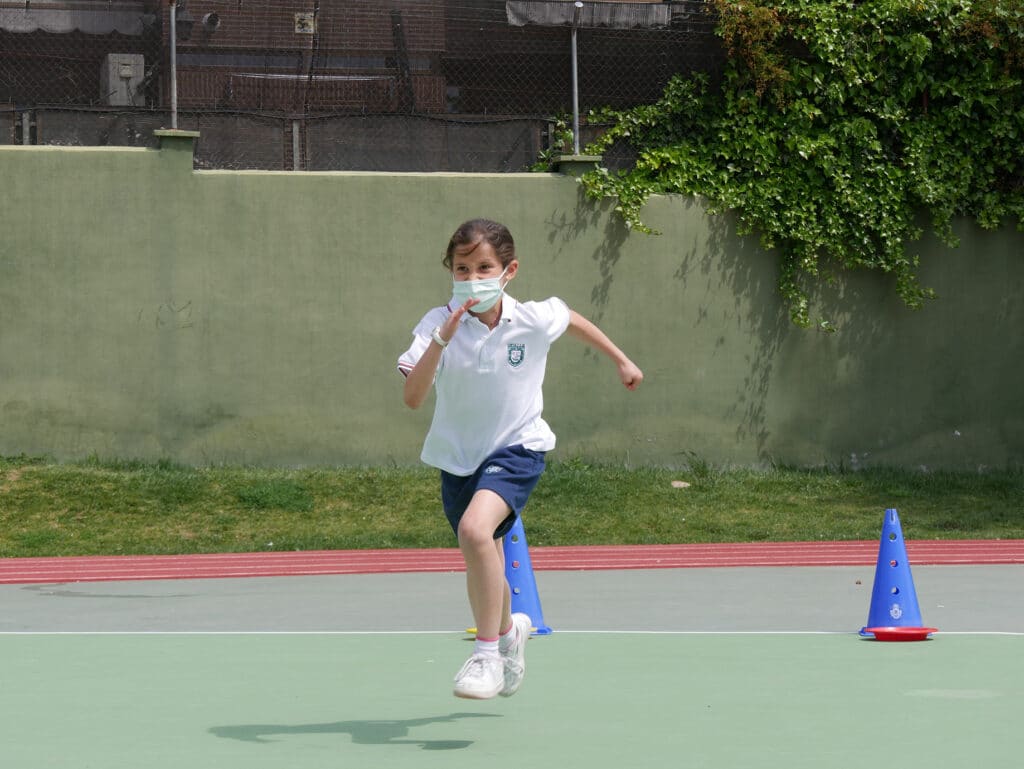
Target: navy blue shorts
(511,473)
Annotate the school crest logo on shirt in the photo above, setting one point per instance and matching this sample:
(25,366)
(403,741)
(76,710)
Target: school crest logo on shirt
(516,354)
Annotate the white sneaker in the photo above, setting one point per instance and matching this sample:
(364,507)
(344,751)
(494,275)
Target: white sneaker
(514,658)
(480,678)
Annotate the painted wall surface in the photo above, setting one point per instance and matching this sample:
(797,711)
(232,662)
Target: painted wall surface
(149,311)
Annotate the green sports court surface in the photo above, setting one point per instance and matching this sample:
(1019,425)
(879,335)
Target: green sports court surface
(718,667)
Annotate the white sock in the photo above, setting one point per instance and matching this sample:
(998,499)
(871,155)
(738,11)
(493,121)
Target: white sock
(507,639)
(486,648)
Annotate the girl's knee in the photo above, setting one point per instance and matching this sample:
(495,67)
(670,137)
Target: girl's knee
(485,514)
(474,533)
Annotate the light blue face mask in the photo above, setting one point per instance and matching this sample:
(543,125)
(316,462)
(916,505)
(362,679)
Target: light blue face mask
(487,290)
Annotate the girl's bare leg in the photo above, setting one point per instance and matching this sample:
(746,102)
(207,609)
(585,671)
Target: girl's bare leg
(489,597)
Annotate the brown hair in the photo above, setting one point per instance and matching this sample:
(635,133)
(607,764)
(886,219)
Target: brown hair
(476,231)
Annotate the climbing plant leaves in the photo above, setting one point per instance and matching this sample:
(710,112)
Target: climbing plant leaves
(834,127)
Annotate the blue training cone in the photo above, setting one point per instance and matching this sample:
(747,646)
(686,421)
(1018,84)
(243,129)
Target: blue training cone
(894,613)
(519,572)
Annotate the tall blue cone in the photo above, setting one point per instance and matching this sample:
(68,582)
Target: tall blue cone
(519,572)
(893,598)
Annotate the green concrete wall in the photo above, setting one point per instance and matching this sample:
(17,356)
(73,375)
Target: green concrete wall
(150,311)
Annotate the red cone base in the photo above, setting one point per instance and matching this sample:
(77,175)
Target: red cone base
(901,633)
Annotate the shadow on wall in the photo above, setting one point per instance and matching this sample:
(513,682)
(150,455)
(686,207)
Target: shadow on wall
(891,386)
(728,283)
(738,271)
(587,216)
(921,388)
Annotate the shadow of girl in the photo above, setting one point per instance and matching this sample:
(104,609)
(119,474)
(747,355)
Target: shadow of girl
(363,732)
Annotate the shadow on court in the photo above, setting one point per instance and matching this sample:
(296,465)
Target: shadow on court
(370,732)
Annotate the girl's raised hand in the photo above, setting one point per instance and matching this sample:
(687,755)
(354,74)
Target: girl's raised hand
(452,324)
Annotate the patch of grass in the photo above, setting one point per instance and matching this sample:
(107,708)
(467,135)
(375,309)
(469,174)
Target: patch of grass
(101,507)
(283,494)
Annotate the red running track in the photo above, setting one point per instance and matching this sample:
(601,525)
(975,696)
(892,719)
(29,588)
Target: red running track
(136,567)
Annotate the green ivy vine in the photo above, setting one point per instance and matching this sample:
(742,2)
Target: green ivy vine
(835,126)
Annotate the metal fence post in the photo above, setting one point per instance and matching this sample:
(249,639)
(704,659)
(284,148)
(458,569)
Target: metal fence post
(575,81)
(174,64)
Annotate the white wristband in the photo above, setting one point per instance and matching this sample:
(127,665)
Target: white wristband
(436,336)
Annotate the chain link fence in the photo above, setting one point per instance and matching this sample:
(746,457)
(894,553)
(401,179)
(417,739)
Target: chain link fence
(368,85)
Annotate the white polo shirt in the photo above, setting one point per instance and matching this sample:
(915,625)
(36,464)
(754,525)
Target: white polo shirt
(488,384)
